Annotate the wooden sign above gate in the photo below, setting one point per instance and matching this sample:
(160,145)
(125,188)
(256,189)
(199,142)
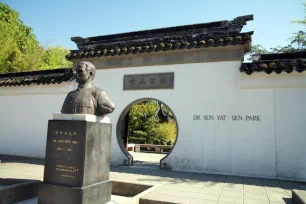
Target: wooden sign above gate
(148,81)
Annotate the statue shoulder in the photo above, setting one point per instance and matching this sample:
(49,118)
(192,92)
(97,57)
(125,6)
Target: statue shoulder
(97,92)
(104,103)
(70,93)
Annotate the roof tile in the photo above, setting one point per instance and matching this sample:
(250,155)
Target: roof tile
(36,77)
(220,33)
(278,63)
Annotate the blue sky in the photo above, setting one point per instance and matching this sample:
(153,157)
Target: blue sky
(54,22)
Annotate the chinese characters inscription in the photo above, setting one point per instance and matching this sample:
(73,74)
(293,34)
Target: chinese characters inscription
(149,81)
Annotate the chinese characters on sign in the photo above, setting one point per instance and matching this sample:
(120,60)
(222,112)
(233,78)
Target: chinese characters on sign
(64,153)
(149,81)
(64,168)
(65,142)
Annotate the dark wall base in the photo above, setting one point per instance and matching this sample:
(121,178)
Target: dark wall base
(94,194)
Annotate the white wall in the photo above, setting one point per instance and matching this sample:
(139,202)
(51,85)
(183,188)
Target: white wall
(290,118)
(272,147)
(290,114)
(224,147)
(25,112)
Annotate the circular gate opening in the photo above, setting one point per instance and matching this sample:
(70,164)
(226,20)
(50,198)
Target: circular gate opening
(147,132)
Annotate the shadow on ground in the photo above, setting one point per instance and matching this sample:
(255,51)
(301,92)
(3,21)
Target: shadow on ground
(20,159)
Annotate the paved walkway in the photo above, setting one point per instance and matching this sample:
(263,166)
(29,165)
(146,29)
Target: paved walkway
(191,188)
(147,159)
(179,187)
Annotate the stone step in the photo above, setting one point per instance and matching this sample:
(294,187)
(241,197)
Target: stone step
(299,196)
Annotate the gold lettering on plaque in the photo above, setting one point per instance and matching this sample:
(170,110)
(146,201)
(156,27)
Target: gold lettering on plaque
(66,133)
(75,142)
(67,141)
(64,168)
(68,176)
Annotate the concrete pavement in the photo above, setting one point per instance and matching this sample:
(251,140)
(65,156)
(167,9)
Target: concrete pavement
(180,187)
(148,160)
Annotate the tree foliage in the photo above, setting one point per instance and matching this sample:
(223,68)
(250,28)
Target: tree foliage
(54,57)
(258,49)
(144,126)
(167,131)
(296,43)
(303,21)
(20,50)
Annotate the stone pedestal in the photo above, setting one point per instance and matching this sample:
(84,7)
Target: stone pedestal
(77,162)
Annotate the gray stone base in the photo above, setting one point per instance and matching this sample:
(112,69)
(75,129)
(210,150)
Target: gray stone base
(94,194)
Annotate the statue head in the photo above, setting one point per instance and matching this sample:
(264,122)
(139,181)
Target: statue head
(87,99)
(85,72)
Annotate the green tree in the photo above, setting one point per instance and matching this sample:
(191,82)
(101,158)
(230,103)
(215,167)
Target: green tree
(299,38)
(144,126)
(20,50)
(303,21)
(143,123)
(167,131)
(297,41)
(256,49)
(54,57)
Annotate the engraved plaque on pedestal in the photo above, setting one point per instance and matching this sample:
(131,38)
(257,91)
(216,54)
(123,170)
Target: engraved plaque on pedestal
(77,163)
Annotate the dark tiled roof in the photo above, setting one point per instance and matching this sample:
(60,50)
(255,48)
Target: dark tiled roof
(278,63)
(292,55)
(220,33)
(36,77)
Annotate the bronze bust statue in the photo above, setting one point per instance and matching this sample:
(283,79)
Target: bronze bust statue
(87,99)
